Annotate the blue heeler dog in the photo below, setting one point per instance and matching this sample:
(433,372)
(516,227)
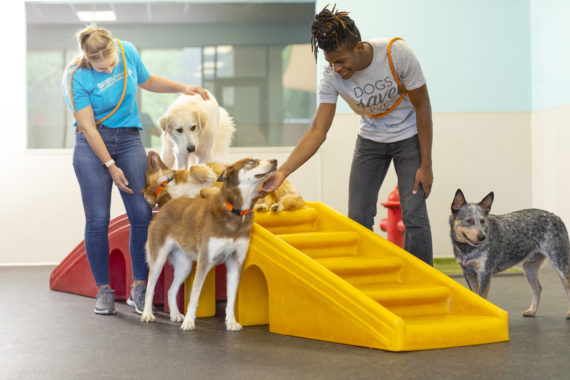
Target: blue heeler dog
(485,244)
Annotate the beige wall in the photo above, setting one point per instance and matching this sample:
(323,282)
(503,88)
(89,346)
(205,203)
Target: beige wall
(550,158)
(477,152)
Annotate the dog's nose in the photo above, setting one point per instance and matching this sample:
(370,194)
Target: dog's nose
(481,237)
(273,161)
(190,148)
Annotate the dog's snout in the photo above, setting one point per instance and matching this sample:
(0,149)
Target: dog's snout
(481,236)
(190,148)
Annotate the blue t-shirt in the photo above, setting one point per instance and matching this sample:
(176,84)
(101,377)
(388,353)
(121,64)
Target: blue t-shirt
(102,90)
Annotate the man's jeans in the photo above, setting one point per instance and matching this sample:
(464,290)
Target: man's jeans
(369,166)
(125,147)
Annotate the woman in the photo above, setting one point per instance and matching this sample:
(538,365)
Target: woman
(109,150)
(395,123)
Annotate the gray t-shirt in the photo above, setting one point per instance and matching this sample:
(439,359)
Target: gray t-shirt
(373,90)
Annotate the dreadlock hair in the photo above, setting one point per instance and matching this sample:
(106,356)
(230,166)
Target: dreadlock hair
(332,29)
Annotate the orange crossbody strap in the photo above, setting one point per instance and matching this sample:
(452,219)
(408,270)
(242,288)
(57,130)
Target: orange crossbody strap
(403,91)
(122,95)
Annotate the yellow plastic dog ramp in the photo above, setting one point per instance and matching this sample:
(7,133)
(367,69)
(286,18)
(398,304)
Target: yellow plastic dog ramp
(316,274)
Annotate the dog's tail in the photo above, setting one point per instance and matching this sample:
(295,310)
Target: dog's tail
(226,129)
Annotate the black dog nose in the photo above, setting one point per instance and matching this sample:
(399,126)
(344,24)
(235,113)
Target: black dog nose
(481,237)
(273,161)
(190,148)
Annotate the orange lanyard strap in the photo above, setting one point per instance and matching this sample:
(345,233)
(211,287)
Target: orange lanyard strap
(97,122)
(403,91)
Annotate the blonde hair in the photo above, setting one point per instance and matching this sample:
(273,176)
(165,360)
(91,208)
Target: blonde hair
(95,45)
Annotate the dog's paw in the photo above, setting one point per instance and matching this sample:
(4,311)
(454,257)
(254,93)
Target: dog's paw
(176,317)
(260,207)
(203,174)
(277,207)
(188,325)
(529,313)
(233,326)
(147,317)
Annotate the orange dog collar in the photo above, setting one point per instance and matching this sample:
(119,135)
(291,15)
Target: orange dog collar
(236,211)
(162,186)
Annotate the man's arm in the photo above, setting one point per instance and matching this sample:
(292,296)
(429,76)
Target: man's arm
(424,175)
(306,148)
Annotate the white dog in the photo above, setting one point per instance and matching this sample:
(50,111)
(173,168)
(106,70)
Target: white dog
(195,131)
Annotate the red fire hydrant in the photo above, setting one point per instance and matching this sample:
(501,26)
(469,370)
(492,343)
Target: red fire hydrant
(393,224)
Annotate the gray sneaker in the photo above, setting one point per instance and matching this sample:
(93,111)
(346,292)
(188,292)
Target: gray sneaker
(105,301)
(136,299)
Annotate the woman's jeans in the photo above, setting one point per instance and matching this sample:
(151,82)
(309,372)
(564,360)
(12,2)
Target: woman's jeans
(369,166)
(126,148)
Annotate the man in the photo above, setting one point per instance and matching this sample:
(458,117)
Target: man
(382,81)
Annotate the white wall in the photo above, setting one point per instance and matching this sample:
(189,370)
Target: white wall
(551,104)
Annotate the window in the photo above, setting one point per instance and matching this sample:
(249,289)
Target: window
(261,72)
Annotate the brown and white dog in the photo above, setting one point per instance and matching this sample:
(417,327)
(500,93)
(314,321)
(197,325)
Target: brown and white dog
(195,131)
(209,231)
(163,184)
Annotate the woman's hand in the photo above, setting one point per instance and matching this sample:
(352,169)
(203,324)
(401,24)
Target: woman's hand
(193,90)
(120,180)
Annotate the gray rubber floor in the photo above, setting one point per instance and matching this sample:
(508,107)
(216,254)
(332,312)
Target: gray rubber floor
(52,335)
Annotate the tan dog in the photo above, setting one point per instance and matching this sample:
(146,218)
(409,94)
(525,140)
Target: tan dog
(285,198)
(195,131)
(209,231)
(163,184)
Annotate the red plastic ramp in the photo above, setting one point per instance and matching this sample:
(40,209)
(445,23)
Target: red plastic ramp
(73,274)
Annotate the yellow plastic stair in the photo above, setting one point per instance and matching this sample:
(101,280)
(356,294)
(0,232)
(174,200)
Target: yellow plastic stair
(316,274)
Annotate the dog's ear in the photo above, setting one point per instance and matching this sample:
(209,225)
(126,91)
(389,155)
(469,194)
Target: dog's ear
(487,202)
(226,174)
(155,163)
(163,122)
(458,201)
(202,118)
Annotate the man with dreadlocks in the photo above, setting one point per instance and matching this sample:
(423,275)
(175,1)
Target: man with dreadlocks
(382,81)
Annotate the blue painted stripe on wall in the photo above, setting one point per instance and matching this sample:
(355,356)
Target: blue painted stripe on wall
(475,53)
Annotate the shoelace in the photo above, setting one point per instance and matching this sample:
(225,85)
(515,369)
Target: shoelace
(107,295)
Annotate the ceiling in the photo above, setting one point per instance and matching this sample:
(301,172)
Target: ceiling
(43,13)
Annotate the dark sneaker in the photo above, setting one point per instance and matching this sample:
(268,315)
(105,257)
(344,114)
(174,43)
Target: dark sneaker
(136,299)
(105,301)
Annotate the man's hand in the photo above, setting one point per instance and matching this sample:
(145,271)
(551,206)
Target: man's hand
(424,176)
(271,184)
(119,179)
(193,90)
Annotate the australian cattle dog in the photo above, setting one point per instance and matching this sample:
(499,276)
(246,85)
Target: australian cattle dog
(485,244)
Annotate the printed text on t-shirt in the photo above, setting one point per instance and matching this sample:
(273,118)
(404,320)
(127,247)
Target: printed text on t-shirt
(380,93)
